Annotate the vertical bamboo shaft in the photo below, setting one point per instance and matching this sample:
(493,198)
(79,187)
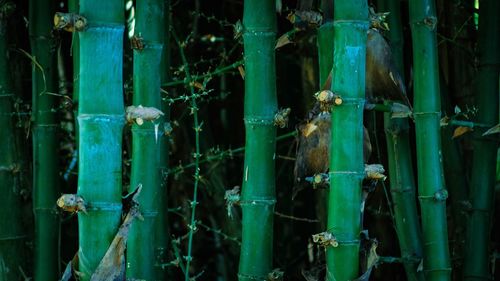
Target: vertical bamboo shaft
(12,235)
(402,180)
(141,256)
(258,193)
(45,145)
(482,193)
(100,117)
(432,192)
(346,148)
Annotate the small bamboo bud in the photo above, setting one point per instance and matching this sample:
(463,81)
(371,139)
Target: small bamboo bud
(232,198)
(281,117)
(275,275)
(325,239)
(70,22)
(139,114)
(375,172)
(71,203)
(326,98)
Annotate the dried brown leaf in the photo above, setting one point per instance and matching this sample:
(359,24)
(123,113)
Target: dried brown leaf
(282,41)
(460,131)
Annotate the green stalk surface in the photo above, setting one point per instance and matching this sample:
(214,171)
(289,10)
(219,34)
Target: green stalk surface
(346,148)
(431,188)
(141,255)
(45,143)
(402,180)
(73,6)
(12,235)
(258,192)
(482,194)
(101,118)
(162,230)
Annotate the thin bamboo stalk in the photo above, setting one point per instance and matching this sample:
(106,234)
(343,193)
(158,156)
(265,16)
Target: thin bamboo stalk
(45,144)
(141,256)
(482,193)
(12,235)
(258,192)
(346,147)
(427,112)
(402,180)
(101,118)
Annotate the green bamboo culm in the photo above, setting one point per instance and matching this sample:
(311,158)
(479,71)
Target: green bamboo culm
(73,7)
(482,193)
(346,148)
(12,235)
(141,256)
(162,229)
(45,143)
(427,113)
(402,180)
(258,193)
(100,119)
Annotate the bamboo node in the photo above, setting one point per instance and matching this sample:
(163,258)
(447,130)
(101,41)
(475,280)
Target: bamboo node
(70,22)
(325,239)
(281,117)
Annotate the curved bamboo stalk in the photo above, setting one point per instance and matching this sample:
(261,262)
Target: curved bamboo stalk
(146,139)
(101,118)
(45,144)
(258,192)
(346,148)
(482,193)
(427,112)
(12,235)
(402,180)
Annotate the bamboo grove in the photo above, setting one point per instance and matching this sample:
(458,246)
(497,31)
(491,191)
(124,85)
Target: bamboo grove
(249,140)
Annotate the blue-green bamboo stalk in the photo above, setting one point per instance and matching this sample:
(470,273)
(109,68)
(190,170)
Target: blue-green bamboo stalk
(146,140)
(100,119)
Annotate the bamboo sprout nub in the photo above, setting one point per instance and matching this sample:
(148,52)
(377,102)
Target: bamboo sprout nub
(70,22)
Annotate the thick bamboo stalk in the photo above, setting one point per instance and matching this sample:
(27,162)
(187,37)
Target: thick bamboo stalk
(141,256)
(258,192)
(45,144)
(346,148)
(402,180)
(482,194)
(12,235)
(101,118)
(427,112)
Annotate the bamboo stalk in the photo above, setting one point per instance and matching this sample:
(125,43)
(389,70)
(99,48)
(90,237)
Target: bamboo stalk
(101,118)
(402,180)
(346,148)
(482,193)
(162,229)
(258,192)
(12,235)
(432,191)
(45,144)
(141,256)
